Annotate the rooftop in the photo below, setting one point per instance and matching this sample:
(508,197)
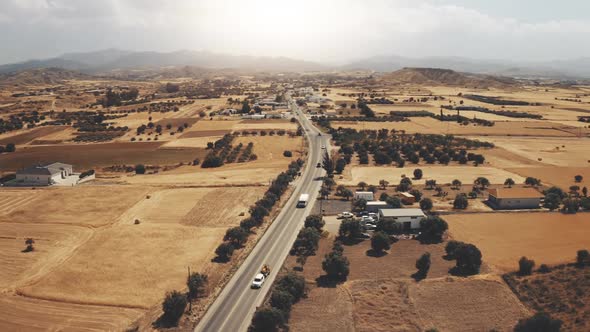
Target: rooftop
(402,213)
(48,169)
(515,193)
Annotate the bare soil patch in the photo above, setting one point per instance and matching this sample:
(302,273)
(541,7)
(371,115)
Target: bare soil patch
(86,156)
(29,135)
(204,133)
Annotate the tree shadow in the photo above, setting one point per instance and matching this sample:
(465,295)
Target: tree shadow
(460,272)
(350,242)
(162,323)
(419,276)
(325,281)
(376,254)
(220,260)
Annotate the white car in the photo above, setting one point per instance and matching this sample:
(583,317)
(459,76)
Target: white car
(345,215)
(370,227)
(258,280)
(367,219)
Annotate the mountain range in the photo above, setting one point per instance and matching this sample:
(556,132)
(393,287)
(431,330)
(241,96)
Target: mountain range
(115,59)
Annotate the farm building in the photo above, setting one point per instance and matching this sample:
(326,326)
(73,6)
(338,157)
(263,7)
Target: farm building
(406,218)
(374,206)
(514,198)
(366,195)
(45,175)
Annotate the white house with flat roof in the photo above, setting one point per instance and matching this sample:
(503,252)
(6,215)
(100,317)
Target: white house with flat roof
(407,218)
(366,195)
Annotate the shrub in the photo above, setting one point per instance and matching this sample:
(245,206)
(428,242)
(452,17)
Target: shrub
(468,259)
(139,169)
(433,228)
(543,268)
(336,266)
(224,251)
(236,236)
(540,322)
(287,154)
(394,202)
(293,284)
(350,229)
(418,174)
(460,202)
(380,242)
(451,247)
(196,284)
(426,204)
(315,221)
(423,265)
(307,242)
(282,300)
(583,257)
(173,307)
(267,319)
(525,266)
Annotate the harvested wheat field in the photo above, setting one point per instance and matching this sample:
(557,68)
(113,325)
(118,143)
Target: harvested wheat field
(442,174)
(26,136)
(53,244)
(81,205)
(147,260)
(20,313)
(324,309)
(547,238)
(211,207)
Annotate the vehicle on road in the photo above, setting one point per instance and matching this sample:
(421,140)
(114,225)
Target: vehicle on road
(303,199)
(319,165)
(261,277)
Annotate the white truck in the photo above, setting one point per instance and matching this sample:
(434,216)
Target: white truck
(303,199)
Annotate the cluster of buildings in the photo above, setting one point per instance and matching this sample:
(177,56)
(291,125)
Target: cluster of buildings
(407,218)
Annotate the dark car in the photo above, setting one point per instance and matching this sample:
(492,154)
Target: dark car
(318,165)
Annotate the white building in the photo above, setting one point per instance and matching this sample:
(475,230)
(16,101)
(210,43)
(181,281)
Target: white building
(44,175)
(366,195)
(375,206)
(407,218)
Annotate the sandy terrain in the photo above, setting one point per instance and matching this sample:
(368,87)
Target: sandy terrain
(82,205)
(146,260)
(505,237)
(442,174)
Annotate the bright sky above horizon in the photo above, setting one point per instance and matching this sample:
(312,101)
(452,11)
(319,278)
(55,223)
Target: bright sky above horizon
(333,31)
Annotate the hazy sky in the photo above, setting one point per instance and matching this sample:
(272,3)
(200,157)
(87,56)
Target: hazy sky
(320,30)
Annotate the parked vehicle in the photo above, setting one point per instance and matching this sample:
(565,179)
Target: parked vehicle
(319,165)
(370,227)
(365,236)
(345,215)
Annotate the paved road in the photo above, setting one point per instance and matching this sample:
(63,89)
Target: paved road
(233,309)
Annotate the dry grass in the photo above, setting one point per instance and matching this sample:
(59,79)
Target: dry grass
(559,176)
(505,237)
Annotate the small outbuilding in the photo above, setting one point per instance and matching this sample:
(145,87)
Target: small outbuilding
(407,198)
(374,206)
(366,195)
(408,219)
(514,198)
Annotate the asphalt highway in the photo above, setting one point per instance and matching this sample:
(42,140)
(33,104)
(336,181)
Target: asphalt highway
(233,309)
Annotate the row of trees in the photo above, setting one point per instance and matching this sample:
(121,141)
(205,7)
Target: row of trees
(236,237)
(10,147)
(287,291)
(571,202)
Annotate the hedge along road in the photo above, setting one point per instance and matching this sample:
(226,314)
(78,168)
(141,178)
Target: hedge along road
(234,307)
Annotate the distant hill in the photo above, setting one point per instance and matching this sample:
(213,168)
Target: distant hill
(437,76)
(565,69)
(113,59)
(40,76)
